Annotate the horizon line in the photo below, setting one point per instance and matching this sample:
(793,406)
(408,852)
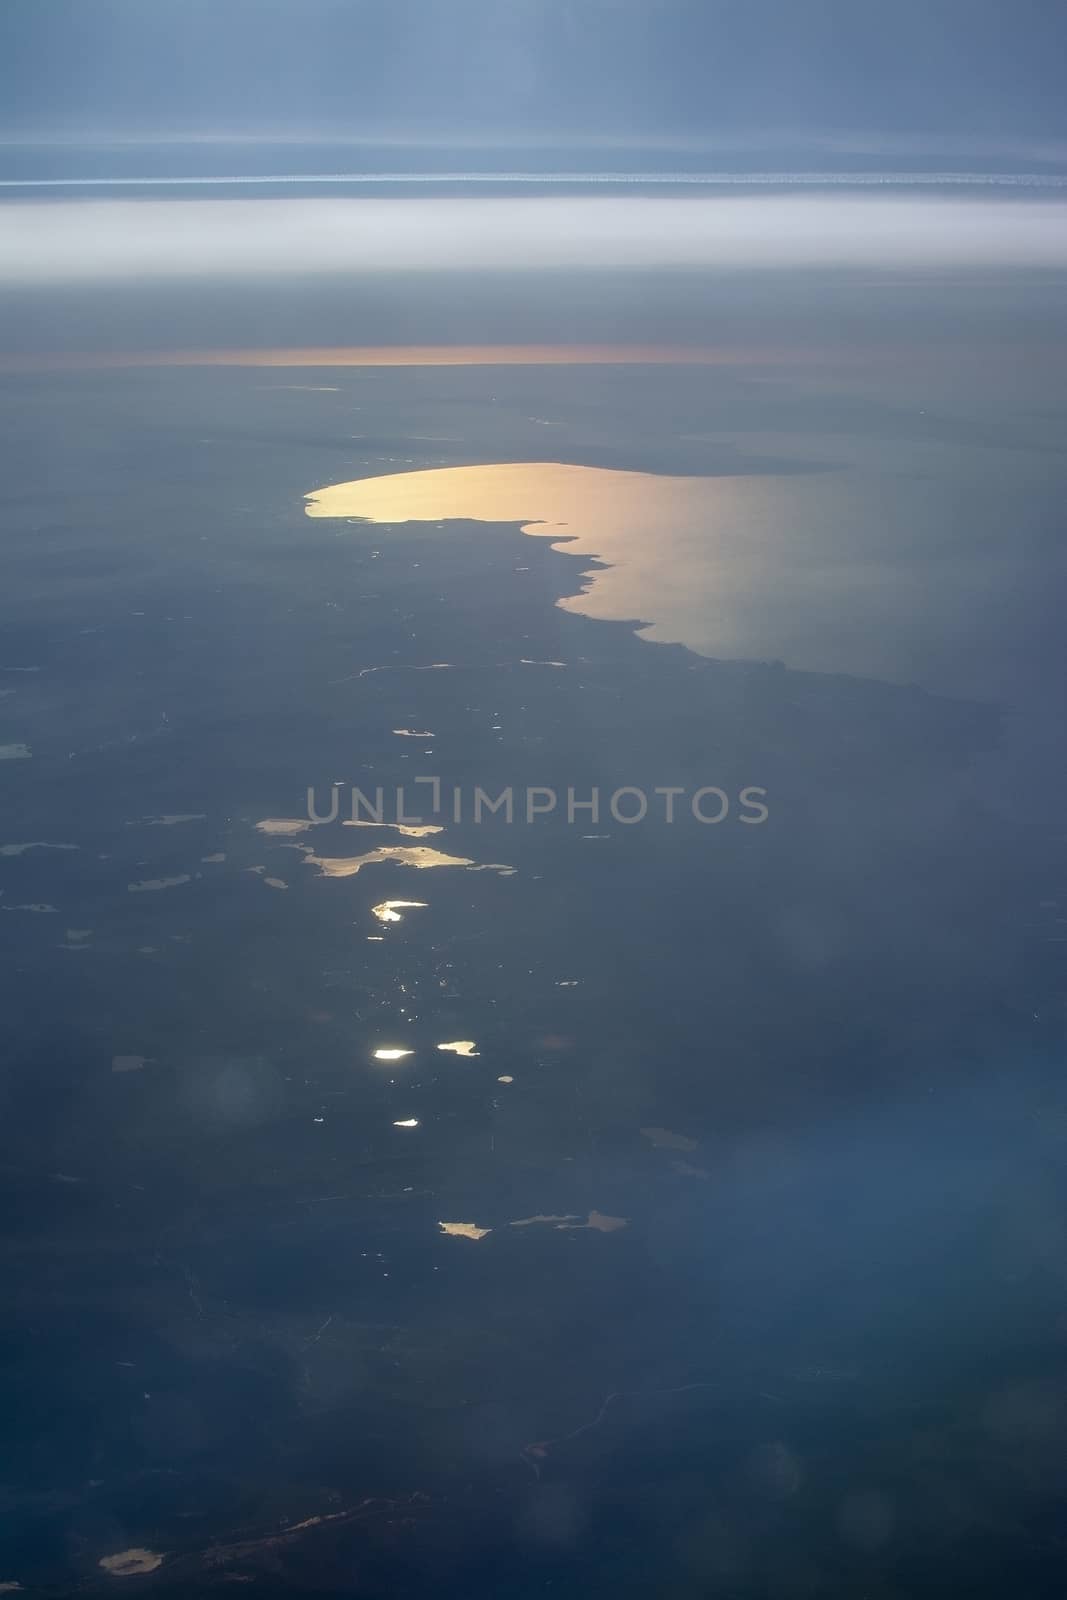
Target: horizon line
(1028,180)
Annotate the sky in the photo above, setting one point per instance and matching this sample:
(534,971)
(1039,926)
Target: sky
(177,98)
(937,76)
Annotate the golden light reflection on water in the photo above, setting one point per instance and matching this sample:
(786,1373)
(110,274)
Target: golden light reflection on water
(463,1230)
(131,1563)
(677,549)
(419,856)
(427,355)
(389,910)
(408,829)
(801,566)
(289,827)
(552,498)
(283,827)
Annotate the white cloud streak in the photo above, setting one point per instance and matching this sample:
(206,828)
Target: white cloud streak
(92,241)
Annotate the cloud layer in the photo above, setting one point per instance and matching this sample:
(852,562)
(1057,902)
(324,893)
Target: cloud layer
(120,240)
